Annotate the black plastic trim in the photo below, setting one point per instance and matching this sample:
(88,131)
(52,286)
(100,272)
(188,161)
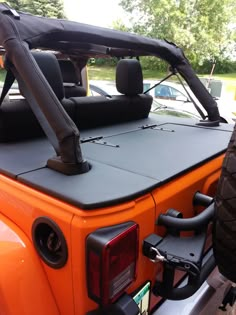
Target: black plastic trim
(43,223)
(192,286)
(187,224)
(124,306)
(200,199)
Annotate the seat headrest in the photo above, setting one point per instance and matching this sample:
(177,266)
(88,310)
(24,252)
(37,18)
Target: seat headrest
(49,66)
(129,77)
(68,71)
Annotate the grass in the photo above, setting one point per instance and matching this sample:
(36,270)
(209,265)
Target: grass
(2,75)
(101,73)
(108,73)
(225,77)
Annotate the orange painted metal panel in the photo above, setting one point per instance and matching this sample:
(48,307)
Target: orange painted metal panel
(24,287)
(179,192)
(22,204)
(1,63)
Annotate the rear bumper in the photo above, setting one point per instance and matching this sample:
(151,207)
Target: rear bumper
(206,300)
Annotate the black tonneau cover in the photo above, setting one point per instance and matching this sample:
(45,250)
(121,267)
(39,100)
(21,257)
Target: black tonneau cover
(144,159)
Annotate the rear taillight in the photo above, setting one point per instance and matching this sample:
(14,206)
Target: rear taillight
(112,254)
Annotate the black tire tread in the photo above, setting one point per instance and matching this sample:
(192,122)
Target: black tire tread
(224,228)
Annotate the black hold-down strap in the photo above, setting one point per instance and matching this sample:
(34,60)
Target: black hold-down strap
(191,99)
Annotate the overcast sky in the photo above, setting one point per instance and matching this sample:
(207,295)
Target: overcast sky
(96,12)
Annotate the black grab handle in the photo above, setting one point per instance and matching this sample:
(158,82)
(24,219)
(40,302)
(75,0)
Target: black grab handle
(189,224)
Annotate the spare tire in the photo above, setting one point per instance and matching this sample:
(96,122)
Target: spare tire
(224,226)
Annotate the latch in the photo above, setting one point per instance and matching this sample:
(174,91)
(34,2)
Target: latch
(155,127)
(90,139)
(147,126)
(163,129)
(182,253)
(99,140)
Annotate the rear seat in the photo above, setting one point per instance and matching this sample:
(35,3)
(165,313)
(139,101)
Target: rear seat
(49,65)
(71,80)
(17,121)
(97,111)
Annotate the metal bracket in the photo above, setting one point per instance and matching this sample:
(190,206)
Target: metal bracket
(230,299)
(180,253)
(12,12)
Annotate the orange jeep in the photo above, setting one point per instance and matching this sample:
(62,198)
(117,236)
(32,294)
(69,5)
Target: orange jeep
(106,207)
(1,62)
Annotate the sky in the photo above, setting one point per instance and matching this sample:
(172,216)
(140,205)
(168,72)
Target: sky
(96,12)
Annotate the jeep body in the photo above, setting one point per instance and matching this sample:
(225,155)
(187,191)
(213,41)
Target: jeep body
(80,207)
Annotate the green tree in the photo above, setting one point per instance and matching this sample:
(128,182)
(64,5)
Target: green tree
(15,4)
(53,8)
(120,25)
(200,27)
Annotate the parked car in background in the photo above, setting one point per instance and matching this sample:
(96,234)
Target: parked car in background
(108,88)
(102,87)
(174,95)
(170,96)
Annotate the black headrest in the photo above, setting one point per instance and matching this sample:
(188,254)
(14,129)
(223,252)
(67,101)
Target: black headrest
(48,64)
(129,77)
(68,71)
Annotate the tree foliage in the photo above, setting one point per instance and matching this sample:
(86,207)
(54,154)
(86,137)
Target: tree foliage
(53,8)
(203,28)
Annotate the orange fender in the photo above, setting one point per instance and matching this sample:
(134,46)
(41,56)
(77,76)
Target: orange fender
(24,288)
(1,63)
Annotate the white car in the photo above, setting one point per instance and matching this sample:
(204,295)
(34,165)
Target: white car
(173,95)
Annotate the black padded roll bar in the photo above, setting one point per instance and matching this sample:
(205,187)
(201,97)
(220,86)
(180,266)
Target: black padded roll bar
(55,34)
(57,125)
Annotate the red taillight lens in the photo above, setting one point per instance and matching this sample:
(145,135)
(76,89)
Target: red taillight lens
(112,254)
